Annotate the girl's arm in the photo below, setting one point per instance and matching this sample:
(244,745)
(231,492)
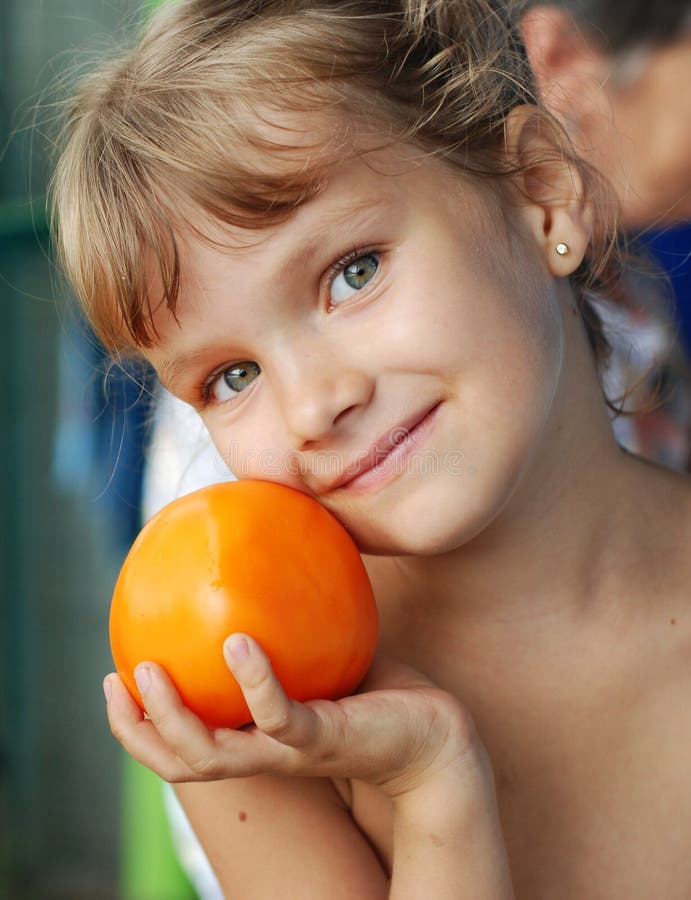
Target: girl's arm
(276,837)
(297,838)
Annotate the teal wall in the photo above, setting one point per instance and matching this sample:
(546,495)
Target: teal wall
(59,765)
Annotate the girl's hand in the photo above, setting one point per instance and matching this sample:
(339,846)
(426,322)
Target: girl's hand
(413,740)
(397,732)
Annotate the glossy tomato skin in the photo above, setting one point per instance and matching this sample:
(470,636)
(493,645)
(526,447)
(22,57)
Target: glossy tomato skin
(249,556)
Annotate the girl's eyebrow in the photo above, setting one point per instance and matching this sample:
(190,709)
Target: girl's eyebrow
(333,224)
(171,369)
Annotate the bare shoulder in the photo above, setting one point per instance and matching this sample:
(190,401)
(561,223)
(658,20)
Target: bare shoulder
(663,670)
(661,579)
(270,836)
(660,512)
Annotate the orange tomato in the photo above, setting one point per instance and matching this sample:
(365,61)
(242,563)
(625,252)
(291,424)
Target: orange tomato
(249,556)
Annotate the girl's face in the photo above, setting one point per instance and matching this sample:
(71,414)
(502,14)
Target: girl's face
(392,349)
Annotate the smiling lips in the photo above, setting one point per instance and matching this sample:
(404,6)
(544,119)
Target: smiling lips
(386,458)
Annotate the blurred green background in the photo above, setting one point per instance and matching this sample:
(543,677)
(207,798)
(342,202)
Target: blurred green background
(76,821)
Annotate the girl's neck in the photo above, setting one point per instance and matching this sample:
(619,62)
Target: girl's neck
(556,550)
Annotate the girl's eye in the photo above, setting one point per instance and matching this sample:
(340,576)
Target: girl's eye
(233,380)
(353,277)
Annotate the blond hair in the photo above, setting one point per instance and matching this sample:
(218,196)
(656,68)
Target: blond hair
(194,118)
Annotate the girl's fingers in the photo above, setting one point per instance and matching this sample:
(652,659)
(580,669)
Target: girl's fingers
(274,713)
(178,727)
(418,726)
(178,746)
(138,735)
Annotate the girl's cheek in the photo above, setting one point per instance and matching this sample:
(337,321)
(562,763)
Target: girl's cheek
(257,453)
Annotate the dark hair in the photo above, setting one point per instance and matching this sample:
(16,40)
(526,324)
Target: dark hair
(622,25)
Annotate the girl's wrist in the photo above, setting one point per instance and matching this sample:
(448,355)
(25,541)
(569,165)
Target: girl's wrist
(450,794)
(447,756)
(448,836)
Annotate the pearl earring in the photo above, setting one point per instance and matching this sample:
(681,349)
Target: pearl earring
(562,248)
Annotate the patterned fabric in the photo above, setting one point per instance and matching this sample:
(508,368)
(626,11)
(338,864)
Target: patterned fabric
(650,371)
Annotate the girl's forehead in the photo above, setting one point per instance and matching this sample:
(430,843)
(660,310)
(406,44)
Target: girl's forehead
(295,143)
(357,185)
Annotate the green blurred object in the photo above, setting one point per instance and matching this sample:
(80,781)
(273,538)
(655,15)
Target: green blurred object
(150,868)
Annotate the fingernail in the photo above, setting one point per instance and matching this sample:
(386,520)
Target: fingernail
(107,688)
(142,675)
(237,648)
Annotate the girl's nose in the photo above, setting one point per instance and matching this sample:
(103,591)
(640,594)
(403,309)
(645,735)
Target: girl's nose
(317,392)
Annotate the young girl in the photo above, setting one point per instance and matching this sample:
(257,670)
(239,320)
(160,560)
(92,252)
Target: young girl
(341,232)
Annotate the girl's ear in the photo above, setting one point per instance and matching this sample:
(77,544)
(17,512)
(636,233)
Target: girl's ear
(551,191)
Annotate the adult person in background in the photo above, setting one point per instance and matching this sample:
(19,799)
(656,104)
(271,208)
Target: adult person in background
(617,74)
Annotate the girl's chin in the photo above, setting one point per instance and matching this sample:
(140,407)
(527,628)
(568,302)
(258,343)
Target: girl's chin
(424,519)
(425,539)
